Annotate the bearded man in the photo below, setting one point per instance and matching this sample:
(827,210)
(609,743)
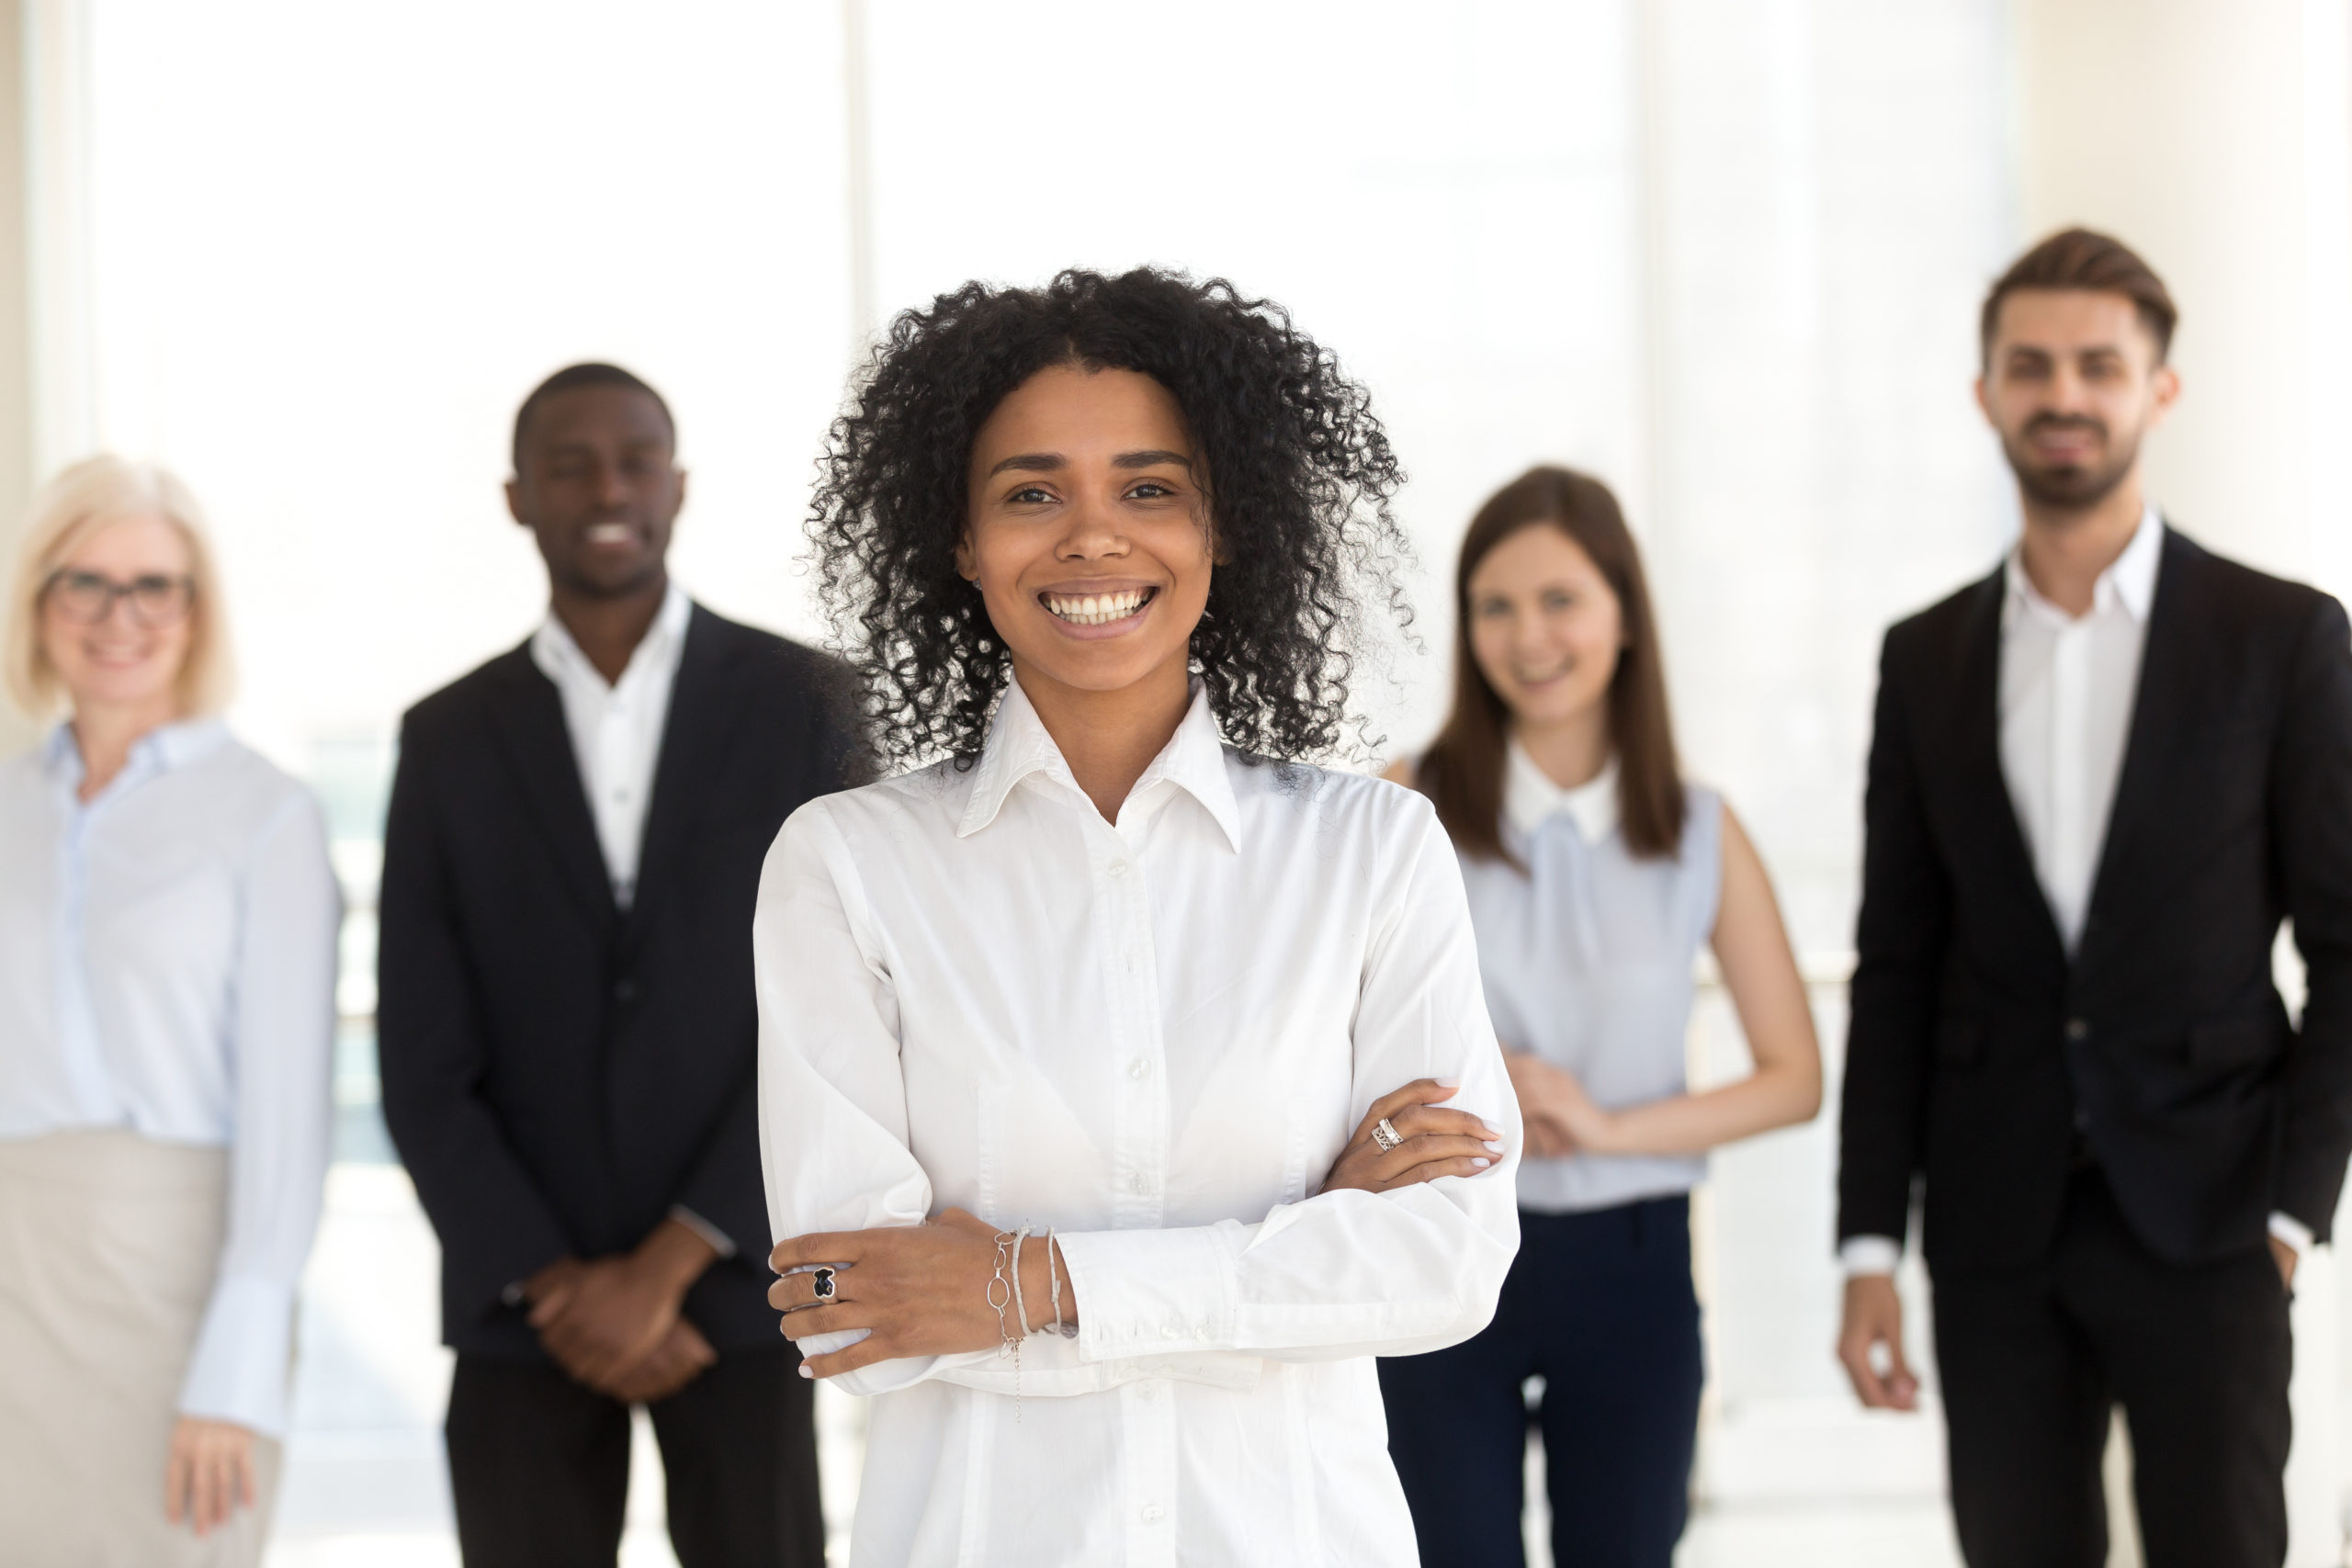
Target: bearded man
(2100,780)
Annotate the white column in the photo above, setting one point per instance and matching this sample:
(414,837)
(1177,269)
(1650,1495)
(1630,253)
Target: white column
(2216,140)
(15,321)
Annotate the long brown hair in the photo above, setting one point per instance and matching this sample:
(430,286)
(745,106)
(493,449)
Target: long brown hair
(1461,772)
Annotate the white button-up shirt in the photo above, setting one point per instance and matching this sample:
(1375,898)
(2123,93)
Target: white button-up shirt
(167,960)
(1153,1035)
(2068,685)
(615,727)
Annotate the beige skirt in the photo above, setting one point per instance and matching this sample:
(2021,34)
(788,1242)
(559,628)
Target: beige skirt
(108,1243)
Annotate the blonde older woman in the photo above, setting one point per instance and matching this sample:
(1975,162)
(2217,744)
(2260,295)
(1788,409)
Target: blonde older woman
(167,939)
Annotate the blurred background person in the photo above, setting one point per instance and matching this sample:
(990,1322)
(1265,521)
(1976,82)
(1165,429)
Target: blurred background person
(2099,779)
(568,1030)
(167,962)
(1596,874)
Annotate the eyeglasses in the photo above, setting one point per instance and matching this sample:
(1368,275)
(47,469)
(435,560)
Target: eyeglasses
(156,600)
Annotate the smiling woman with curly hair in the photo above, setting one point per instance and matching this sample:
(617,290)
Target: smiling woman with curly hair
(1073,1039)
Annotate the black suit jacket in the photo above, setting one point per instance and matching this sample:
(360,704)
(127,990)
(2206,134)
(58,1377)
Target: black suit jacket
(558,1072)
(1978,1048)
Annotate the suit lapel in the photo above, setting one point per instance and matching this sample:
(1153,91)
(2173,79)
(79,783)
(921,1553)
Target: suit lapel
(2168,662)
(538,747)
(693,738)
(1991,823)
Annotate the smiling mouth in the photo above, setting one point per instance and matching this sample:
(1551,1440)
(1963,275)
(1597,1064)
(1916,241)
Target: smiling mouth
(1097,609)
(610,534)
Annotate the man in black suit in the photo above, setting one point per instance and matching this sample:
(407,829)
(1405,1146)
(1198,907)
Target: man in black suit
(2099,779)
(568,1029)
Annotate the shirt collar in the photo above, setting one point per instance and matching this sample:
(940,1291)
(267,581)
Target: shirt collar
(557,654)
(1530,798)
(2129,584)
(1019,745)
(161,749)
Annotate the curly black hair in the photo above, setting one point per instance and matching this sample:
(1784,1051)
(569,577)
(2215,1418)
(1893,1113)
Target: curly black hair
(1299,476)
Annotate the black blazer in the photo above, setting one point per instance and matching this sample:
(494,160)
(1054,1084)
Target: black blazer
(1977,1049)
(557,1073)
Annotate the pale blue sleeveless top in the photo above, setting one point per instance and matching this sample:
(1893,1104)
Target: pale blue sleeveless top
(1587,957)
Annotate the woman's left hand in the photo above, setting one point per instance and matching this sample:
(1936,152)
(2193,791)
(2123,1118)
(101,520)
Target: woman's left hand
(210,1473)
(1553,1095)
(921,1290)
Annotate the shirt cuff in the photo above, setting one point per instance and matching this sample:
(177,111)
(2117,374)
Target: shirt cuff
(2291,1230)
(1863,1254)
(720,1242)
(1150,1292)
(244,1357)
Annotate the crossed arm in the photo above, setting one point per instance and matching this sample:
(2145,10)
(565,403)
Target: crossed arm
(925,1290)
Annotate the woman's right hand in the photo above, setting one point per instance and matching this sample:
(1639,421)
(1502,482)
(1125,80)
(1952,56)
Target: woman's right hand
(1436,1142)
(210,1473)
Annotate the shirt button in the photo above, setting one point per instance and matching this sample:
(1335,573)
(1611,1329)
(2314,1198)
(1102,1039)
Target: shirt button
(1118,868)
(1139,1183)
(2077,1030)
(1152,1513)
(1139,1070)
(1146,1389)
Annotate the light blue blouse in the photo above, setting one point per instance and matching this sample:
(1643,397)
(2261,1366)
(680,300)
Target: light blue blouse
(1587,957)
(167,961)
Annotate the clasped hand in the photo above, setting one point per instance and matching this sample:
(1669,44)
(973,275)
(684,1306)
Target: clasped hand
(926,1290)
(1561,1118)
(613,1323)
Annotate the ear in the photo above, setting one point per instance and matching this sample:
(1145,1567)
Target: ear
(514,502)
(1977,386)
(966,566)
(2164,390)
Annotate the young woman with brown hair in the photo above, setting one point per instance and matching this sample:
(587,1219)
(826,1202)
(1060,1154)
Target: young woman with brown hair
(1595,872)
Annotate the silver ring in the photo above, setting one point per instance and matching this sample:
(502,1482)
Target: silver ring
(1384,1135)
(820,1283)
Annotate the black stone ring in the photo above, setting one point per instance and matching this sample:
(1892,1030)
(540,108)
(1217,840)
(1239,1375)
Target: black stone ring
(820,1283)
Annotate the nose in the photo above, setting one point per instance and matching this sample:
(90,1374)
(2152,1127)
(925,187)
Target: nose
(612,486)
(1090,532)
(117,609)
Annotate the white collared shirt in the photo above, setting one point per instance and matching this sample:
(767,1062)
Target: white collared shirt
(2068,685)
(617,727)
(167,961)
(1530,797)
(1155,1036)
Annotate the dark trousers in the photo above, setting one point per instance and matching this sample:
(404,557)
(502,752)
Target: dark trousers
(1599,1306)
(539,1465)
(2031,1360)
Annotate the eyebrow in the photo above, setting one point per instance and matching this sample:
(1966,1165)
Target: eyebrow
(1046,462)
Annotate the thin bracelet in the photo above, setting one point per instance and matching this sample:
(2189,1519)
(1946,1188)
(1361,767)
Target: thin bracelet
(999,1295)
(1055,1275)
(1020,1307)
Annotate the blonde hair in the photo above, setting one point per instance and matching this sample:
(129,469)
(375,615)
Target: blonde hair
(87,497)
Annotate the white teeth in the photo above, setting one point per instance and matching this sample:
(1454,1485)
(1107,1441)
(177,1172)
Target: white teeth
(1096,609)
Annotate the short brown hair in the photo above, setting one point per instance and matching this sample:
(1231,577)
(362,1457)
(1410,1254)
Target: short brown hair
(2084,259)
(1462,772)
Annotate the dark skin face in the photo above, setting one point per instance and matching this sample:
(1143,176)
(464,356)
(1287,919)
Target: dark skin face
(600,488)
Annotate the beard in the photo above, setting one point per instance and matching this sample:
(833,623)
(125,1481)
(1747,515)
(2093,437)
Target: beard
(2073,487)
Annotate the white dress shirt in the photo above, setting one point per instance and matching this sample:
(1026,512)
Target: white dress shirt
(167,960)
(2068,684)
(1155,1036)
(615,727)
